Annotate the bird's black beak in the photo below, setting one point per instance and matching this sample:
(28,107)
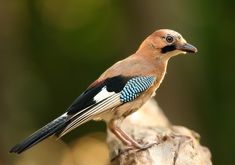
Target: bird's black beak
(187,48)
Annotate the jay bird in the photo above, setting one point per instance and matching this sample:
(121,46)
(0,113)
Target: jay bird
(119,91)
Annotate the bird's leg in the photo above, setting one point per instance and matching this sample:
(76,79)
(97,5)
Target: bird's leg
(126,139)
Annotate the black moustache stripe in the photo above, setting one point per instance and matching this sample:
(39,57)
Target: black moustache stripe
(168,48)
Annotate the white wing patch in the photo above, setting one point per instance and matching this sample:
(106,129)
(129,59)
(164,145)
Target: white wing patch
(103,94)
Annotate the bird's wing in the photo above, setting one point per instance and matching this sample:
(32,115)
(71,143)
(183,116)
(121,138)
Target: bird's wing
(105,95)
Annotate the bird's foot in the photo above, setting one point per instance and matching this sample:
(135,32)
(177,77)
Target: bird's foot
(138,146)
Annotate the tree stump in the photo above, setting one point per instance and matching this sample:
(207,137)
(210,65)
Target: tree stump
(170,145)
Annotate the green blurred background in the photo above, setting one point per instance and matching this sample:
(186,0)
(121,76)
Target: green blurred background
(52,49)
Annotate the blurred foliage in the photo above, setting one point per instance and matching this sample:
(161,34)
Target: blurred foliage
(88,150)
(52,49)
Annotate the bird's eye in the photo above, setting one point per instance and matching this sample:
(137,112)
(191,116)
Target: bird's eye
(169,39)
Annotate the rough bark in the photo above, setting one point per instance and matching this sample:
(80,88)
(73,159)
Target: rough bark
(170,145)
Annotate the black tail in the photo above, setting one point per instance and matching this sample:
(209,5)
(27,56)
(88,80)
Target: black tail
(46,131)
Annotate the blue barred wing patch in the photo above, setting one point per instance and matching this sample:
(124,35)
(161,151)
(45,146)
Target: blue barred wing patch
(135,86)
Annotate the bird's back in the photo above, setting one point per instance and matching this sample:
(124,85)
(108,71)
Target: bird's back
(134,65)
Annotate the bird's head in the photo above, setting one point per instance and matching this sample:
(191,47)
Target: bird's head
(165,43)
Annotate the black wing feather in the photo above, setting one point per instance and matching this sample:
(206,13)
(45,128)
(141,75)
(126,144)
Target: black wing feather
(113,84)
